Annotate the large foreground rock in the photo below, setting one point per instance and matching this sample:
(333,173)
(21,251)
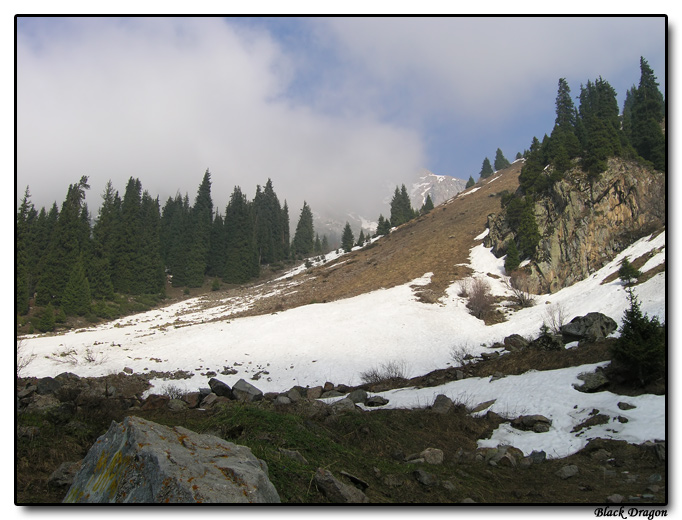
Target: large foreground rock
(138,461)
(594,326)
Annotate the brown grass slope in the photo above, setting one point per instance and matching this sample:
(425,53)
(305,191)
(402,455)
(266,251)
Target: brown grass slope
(436,242)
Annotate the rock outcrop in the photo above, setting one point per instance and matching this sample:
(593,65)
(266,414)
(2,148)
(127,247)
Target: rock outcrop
(584,225)
(138,461)
(594,326)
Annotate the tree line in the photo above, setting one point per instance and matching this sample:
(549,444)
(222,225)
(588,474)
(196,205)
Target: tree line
(586,137)
(69,266)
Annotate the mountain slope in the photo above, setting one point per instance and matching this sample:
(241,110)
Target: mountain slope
(440,187)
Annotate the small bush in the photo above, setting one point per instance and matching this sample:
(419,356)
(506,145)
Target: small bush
(464,288)
(554,317)
(215,286)
(173,391)
(520,285)
(460,354)
(480,300)
(391,370)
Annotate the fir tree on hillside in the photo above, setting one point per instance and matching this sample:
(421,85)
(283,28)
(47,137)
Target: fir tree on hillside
(501,161)
(471,182)
(599,126)
(401,207)
(76,298)
(241,254)
(512,261)
(347,239)
(361,239)
(304,237)
(383,226)
(427,206)
(486,169)
(199,238)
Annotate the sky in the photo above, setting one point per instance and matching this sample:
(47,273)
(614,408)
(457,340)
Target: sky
(336,111)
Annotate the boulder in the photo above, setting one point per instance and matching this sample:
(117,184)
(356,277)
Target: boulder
(530,422)
(244,391)
(547,342)
(138,461)
(425,478)
(358,396)
(192,399)
(592,381)
(331,393)
(220,389)
(47,385)
(63,476)
(336,491)
(155,402)
(594,326)
(515,342)
(282,400)
(177,405)
(443,404)
(294,395)
(294,455)
(567,472)
(376,400)
(314,392)
(343,405)
(432,456)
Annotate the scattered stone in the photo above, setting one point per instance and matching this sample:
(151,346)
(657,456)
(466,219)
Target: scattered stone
(246,392)
(376,400)
(282,399)
(615,498)
(515,342)
(654,488)
(541,427)
(331,393)
(357,482)
(600,455)
(26,392)
(328,386)
(468,501)
(529,422)
(594,326)
(343,405)
(337,491)
(393,481)
(432,456)
(626,406)
(594,420)
(507,460)
(547,342)
(314,393)
(537,457)
(592,381)
(138,461)
(63,476)
(294,455)
(525,463)
(447,484)
(567,472)
(442,404)
(220,389)
(192,399)
(482,406)
(177,405)
(47,385)
(127,370)
(459,375)
(358,396)
(425,478)
(294,395)
(622,419)
(655,477)
(155,402)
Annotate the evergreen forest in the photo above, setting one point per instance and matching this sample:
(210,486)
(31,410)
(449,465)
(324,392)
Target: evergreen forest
(123,260)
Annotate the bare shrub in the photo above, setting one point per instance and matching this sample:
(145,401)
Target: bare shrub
(23,358)
(480,300)
(464,287)
(387,371)
(521,287)
(461,354)
(554,317)
(173,391)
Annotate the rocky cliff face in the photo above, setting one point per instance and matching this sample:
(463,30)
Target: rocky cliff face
(585,225)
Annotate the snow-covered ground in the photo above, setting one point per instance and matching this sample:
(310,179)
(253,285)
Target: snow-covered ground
(337,341)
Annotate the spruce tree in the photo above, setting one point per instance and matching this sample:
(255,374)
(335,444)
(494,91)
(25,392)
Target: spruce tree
(383,226)
(401,207)
(519,156)
(599,126)
(471,182)
(512,261)
(647,115)
(201,218)
(317,248)
(347,239)
(501,161)
(361,239)
(46,322)
(304,238)
(428,205)
(149,276)
(486,169)
(241,254)
(216,258)
(76,299)
(325,244)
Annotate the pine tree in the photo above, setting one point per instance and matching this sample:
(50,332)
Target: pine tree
(401,207)
(149,277)
(428,205)
(486,169)
(512,261)
(501,161)
(518,156)
(317,248)
(25,215)
(564,144)
(471,182)
(64,246)
(241,254)
(599,127)
(361,239)
(200,220)
(325,244)
(647,114)
(46,322)
(216,258)
(76,299)
(383,226)
(175,238)
(627,272)
(304,238)
(347,239)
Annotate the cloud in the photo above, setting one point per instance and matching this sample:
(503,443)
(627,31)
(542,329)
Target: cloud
(164,99)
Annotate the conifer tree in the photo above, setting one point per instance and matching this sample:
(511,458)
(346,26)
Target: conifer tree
(285,232)
(304,238)
(325,244)
(347,239)
(401,207)
(501,161)
(471,182)
(361,239)
(512,261)
(599,125)
(241,254)
(46,322)
(175,236)
(149,277)
(26,217)
(486,169)
(428,205)
(201,218)
(519,156)
(76,299)
(317,248)
(216,258)
(383,226)
(647,112)
(128,239)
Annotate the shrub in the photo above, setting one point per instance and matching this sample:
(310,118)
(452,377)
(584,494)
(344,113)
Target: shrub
(460,354)
(23,358)
(215,286)
(391,370)
(480,300)
(640,350)
(173,391)
(464,287)
(554,317)
(627,273)
(520,285)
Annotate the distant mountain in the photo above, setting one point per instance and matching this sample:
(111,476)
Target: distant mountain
(440,187)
